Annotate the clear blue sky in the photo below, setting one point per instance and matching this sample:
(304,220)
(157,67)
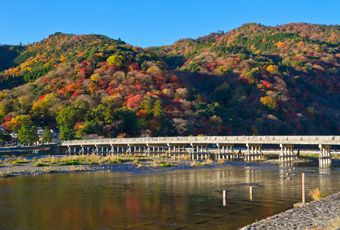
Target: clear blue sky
(152,22)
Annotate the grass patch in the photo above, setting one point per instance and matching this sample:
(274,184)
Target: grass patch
(197,163)
(70,162)
(39,164)
(84,160)
(81,160)
(165,164)
(112,160)
(18,161)
(49,160)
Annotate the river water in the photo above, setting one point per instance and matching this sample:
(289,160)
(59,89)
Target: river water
(181,199)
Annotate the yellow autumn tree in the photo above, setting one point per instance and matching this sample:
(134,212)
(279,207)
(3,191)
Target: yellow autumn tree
(95,77)
(272,69)
(115,59)
(268,102)
(62,58)
(20,120)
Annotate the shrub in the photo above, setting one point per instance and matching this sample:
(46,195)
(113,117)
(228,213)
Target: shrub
(316,194)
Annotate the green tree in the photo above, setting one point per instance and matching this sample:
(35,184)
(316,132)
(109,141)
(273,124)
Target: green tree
(27,135)
(4,137)
(125,121)
(47,136)
(66,119)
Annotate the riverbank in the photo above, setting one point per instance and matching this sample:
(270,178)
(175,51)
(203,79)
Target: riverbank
(323,214)
(46,164)
(31,166)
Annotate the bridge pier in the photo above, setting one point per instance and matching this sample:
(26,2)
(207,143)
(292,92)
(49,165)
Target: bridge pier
(254,152)
(154,150)
(68,151)
(325,159)
(287,153)
(87,150)
(199,152)
(112,150)
(81,151)
(224,151)
(121,150)
(135,150)
(179,150)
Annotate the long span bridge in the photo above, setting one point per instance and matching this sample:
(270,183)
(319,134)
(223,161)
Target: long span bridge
(205,147)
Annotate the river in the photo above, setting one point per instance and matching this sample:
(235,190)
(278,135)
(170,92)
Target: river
(180,199)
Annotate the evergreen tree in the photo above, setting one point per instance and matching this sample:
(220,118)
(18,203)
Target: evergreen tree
(157,108)
(147,105)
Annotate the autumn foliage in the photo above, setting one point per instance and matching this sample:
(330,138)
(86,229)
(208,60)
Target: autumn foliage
(252,80)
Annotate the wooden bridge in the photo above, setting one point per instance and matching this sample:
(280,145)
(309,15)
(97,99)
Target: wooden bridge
(204,147)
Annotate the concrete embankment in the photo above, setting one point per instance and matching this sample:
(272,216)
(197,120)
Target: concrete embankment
(323,214)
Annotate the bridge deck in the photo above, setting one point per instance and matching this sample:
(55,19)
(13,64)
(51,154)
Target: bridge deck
(268,140)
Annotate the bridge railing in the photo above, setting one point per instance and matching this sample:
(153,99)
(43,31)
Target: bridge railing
(334,140)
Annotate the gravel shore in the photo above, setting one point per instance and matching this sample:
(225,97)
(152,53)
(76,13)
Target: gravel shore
(323,214)
(19,166)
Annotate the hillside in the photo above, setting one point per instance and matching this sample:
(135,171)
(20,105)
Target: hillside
(252,80)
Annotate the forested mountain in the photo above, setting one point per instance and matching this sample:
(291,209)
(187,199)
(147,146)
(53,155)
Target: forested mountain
(7,55)
(252,80)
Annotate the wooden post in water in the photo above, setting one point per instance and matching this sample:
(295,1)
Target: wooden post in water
(251,193)
(224,198)
(303,188)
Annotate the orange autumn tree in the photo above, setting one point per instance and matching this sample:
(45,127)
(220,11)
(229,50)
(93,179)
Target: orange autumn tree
(133,101)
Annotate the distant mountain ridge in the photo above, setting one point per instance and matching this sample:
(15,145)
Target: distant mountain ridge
(254,79)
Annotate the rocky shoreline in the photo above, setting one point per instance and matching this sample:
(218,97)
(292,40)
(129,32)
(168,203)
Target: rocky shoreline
(323,214)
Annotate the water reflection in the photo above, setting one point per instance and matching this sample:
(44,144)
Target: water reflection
(187,199)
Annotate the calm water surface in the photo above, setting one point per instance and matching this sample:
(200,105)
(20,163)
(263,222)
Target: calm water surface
(183,199)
